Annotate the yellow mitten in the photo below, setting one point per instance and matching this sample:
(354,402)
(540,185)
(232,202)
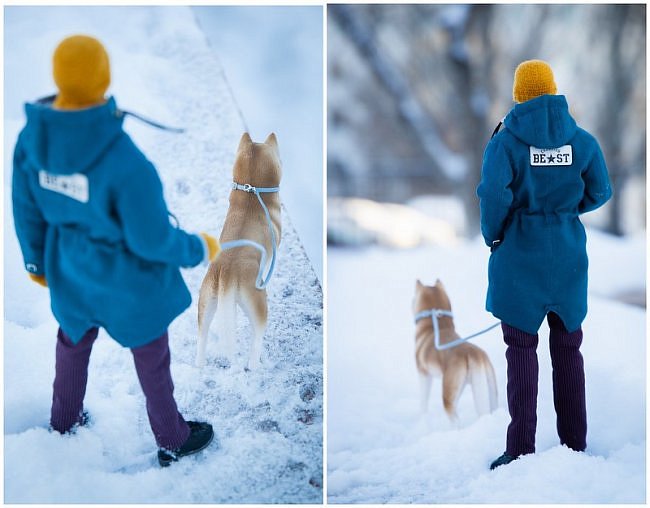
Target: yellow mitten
(213,246)
(39,279)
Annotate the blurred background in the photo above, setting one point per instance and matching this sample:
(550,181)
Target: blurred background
(414,93)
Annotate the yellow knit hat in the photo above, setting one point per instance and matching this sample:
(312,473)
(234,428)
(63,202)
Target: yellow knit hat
(532,79)
(81,72)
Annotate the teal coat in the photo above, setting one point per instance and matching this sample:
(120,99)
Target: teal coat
(539,174)
(90,216)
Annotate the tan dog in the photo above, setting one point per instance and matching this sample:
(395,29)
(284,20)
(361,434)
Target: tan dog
(458,366)
(230,280)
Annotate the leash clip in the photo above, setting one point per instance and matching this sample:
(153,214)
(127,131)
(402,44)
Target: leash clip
(247,187)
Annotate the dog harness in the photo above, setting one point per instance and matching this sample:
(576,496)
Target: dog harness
(434,314)
(261,281)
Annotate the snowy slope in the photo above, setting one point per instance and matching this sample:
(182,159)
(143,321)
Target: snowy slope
(381,449)
(268,423)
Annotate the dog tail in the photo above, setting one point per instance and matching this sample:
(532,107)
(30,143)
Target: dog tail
(484,387)
(226,321)
(492,385)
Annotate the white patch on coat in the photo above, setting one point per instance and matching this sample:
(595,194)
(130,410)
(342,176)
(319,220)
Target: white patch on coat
(74,186)
(561,156)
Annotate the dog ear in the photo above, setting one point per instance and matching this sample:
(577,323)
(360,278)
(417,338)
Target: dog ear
(245,143)
(272,141)
(439,284)
(418,284)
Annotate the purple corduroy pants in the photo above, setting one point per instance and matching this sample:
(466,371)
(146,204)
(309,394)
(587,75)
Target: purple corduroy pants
(568,387)
(152,366)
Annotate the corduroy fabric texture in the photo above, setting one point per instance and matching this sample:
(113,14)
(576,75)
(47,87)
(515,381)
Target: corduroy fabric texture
(70,379)
(568,387)
(523,371)
(152,365)
(532,79)
(568,384)
(81,70)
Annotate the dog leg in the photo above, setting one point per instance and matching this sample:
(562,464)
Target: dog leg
(425,390)
(453,382)
(207,308)
(256,308)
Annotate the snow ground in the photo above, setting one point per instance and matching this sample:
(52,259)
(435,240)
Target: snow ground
(382,450)
(268,424)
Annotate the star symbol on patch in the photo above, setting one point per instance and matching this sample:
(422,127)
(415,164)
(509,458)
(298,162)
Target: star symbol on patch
(551,158)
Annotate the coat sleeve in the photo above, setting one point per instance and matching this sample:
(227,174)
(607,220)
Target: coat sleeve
(596,178)
(29,222)
(494,193)
(143,214)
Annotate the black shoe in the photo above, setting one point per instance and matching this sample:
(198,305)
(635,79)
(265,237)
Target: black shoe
(502,461)
(201,435)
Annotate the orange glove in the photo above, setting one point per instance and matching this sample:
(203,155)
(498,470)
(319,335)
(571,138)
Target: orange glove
(214,248)
(39,279)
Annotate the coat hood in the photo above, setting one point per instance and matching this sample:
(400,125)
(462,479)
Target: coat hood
(543,122)
(66,142)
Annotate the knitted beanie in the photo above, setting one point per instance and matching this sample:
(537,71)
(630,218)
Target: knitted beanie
(532,79)
(81,72)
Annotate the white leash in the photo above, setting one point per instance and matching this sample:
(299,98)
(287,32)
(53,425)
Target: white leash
(434,314)
(261,281)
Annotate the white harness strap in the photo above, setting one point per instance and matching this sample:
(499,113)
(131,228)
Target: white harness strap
(434,314)
(261,281)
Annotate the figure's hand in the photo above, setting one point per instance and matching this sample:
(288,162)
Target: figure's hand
(39,279)
(213,246)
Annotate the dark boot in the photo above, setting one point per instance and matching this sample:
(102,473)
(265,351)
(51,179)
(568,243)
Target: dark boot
(502,461)
(522,390)
(201,435)
(568,384)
